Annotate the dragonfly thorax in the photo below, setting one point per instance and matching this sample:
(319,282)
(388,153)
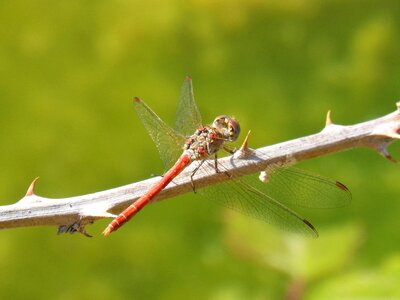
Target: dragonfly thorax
(207,140)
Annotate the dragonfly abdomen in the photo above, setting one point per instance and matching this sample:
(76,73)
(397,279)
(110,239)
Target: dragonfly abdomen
(135,207)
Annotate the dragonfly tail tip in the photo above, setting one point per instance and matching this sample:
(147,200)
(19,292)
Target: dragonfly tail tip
(107,231)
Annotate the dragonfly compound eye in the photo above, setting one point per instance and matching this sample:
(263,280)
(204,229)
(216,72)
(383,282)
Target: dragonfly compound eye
(228,126)
(234,129)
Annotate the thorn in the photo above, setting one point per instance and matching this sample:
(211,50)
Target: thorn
(188,78)
(245,146)
(31,189)
(391,158)
(244,150)
(328,118)
(329,125)
(385,153)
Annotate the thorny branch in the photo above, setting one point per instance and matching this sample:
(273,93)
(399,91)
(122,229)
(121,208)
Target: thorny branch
(73,213)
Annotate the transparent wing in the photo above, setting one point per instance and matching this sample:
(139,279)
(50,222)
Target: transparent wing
(267,201)
(305,189)
(239,195)
(188,117)
(169,143)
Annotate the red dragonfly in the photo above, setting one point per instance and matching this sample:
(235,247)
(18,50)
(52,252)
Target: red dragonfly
(249,194)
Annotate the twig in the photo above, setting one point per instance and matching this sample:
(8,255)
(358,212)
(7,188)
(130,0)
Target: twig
(72,214)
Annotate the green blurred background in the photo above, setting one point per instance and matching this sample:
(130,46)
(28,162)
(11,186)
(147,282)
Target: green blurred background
(68,72)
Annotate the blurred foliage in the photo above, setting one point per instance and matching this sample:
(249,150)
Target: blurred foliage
(377,283)
(291,254)
(68,72)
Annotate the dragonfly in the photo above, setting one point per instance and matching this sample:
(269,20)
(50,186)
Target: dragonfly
(189,141)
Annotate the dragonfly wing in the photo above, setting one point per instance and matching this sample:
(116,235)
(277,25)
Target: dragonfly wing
(239,195)
(188,117)
(304,189)
(266,200)
(169,143)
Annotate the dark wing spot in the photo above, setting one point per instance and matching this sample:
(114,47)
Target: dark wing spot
(311,226)
(342,186)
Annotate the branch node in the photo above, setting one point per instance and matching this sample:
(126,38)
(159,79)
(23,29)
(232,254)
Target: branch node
(388,130)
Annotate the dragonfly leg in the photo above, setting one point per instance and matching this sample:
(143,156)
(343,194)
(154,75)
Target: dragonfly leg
(216,163)
(230,151)
(192,175)
(217,169)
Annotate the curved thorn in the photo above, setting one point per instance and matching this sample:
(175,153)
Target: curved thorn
(244,151)
(244,146)
(385,153)
(328,118)
(31,189)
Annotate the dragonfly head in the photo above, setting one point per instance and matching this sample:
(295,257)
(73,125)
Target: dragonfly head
(228,126)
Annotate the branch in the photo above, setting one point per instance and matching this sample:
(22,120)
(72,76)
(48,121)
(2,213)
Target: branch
(73,213)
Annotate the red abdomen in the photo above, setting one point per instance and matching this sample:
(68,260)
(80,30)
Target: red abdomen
(136,206)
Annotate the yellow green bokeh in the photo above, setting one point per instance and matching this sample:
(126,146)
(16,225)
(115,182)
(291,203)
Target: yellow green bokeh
(68,73)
